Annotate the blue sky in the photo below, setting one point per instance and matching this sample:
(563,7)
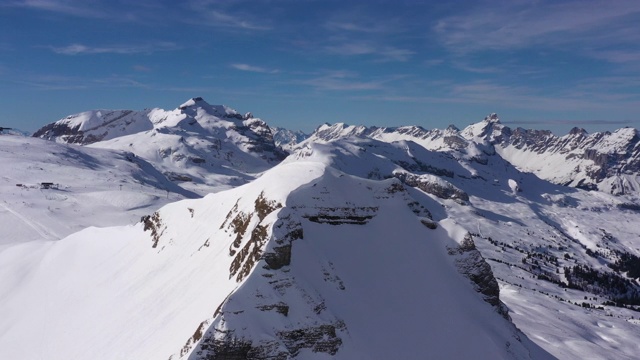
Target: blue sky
(300,63)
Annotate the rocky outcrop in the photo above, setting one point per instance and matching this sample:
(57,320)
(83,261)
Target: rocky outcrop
(340,215)
(225,345)
(153,223)
(433,185)
(472,265)
(237,222)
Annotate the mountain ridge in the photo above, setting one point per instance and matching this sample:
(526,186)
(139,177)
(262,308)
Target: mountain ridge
(602,161)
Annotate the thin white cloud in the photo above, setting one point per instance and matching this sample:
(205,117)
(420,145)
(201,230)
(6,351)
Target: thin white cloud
(523,97)
(80,49)
(62,82)
(465,66)
(118,82)
(341,80)
(357,24)
(256,69)
(365,20)
(618,56)
(213,14)
(512,25)
(499,96)
(221,19)
(141,68)
(67,7)
(380,52)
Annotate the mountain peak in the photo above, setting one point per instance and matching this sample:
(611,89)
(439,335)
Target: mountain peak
(192,102)
(492,118)
(578,131)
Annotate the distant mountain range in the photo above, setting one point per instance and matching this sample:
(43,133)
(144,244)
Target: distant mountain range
(603,161)
(608,162)
(199,145)
(351,242)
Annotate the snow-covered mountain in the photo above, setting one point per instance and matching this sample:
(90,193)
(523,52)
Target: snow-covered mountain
(294,264)
(604,161)
(608,162)
(200,145)
(286,138)
(364,243)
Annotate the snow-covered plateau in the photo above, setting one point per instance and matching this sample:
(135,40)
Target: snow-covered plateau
(192,234)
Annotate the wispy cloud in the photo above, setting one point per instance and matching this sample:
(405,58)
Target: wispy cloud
(63,82)
(504,96)
(141,68)
(380,52)
(80,49)
(465,66)
(365,20)
(67,7)
(521,97)
(347,81)
(509,25)
(220,19)
(215,14)
(256,69)
(618,56)
(359,24)
(116,81)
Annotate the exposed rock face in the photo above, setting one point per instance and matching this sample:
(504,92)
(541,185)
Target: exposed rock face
(472,264)
(433,185)
(341,215)
(224,345)
(238,222)
(286,230)
(260,139)
(220,342)
(153,223)
(287,138)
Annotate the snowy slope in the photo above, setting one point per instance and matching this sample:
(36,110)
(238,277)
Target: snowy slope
(93,187)
(306,261)
(535,235)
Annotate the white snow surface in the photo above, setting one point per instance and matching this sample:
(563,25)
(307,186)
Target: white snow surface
(93,187)
(107,293)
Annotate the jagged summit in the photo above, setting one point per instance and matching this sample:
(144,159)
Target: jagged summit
(492,118)
(578,131)
(193,101)
(192,105)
